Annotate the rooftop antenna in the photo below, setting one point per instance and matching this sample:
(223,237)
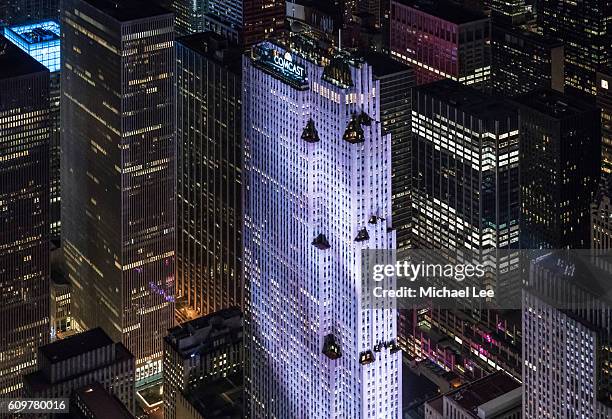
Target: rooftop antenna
(339,39)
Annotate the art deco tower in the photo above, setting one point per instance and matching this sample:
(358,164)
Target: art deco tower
(317,192)
(118,156)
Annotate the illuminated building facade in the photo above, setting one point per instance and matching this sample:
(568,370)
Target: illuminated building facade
(465,169)
(523,61)
(209,214)
(560,169)
(24,214)
(604,101)
(441,41)
(584,29)
(465,195)
(566,340)
(199,352)
(317,191)
(118,173)
(42,42)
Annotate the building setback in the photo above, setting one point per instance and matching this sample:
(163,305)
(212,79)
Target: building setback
(560,169)
(82,360)
(317,182)
(24,214)
(209,213)
(524,61)
(118,171)
(441,40)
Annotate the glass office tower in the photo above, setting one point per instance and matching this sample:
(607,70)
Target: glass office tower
(118,171)
(24,214)
(209,201)
(41,41)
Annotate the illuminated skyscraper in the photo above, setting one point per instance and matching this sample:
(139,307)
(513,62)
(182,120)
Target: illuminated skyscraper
(209,213)
(465,169)
(118,171)
(441,41)
(317,191)
(465,195)
(42,42)
(24,214)
(584,29)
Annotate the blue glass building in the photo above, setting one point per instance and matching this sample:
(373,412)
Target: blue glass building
(40,40)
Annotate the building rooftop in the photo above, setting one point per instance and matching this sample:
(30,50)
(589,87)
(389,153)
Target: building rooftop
(41,40)
(492,395)
(39,380)
(469,100)
(100,403)
(216,48)
(220,399)
(197,336)
(76,345)
(528,36)
(483,391)
(14,62)
(125,11)
(445,10)
(48,31)
(588,274)
(554,104)
(383,65)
